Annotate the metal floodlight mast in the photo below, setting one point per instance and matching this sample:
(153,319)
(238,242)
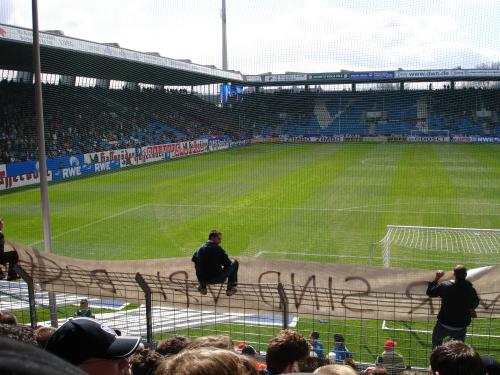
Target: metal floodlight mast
(42,163)
(224,37)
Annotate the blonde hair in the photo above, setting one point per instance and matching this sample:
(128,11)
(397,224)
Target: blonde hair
(215,341)
(206,361)
(335,370)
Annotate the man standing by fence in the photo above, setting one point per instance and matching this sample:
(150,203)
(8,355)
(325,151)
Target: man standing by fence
(458,302)
(213,265)
(9,257)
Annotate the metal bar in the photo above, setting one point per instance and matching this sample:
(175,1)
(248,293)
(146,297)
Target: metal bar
(31,293)
(147,296)
(284,305)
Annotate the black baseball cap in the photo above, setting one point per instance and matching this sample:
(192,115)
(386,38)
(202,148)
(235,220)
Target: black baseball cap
(80,339)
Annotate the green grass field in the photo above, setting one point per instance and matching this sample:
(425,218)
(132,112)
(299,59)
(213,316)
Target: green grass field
(308,201)
(313,202)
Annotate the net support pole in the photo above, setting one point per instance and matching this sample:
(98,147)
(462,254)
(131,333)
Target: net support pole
(41,151)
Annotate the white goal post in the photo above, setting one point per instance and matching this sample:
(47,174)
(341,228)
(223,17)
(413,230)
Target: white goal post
(472,241)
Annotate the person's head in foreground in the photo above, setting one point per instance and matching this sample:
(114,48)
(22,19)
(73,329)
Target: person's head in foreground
(455,358)
(284,351)
(206,361)
(19,358)
(214,341)
(335,370)
(460,272)
(172,345)
(93,347)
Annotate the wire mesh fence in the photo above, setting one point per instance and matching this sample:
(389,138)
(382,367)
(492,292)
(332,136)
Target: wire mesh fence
(157,307)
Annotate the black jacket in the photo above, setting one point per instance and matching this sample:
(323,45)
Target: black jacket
(458,299)
(210,260)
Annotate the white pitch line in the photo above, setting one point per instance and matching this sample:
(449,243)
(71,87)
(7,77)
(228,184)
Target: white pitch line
(92,223)
(345,209)
(308,254)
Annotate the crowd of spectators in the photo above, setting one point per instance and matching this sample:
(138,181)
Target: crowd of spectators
(88,119)
(84,345)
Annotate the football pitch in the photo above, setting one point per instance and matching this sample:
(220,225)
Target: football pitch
(315,202)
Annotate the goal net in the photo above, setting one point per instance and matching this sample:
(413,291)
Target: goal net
(422,247)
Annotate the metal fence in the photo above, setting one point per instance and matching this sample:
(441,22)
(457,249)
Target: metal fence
(155,309)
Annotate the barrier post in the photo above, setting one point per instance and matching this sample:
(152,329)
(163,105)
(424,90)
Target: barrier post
(31,293)
(147,296)
(284,305)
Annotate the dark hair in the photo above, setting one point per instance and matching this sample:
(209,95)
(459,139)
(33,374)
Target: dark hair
(456,358)
(145,362)
(460,272)
(315,335)
(309,364)
(172,345)
(285,348)
(214,233)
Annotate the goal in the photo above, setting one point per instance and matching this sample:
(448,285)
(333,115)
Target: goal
(421,247)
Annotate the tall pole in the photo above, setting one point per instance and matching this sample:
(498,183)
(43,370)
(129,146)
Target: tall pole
(41,150)
(224,38)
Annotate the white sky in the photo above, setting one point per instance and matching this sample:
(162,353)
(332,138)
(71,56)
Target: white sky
(284,35)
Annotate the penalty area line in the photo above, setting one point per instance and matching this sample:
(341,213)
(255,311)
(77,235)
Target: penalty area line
(309,254)
(92,223)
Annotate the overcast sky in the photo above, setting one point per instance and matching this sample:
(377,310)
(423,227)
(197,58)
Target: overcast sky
(284,35)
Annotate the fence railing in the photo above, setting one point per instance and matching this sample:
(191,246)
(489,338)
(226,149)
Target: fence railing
(156,308)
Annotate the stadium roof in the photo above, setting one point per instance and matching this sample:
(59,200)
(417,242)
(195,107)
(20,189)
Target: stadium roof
(63,55)
(76,57)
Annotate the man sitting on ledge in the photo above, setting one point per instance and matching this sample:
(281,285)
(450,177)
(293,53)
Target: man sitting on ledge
(213,265)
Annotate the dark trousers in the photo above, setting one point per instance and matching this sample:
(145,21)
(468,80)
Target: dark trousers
(230,273)
(440,332)
(10,258)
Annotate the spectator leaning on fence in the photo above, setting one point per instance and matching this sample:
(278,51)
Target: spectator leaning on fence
(458,303)
(339,352)
(284,351)
(455,358)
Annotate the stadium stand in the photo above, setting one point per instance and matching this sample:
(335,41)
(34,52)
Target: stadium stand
(86,119)
(310,113)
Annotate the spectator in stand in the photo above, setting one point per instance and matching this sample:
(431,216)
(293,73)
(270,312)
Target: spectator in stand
(18,332)
(42,335)
(317,346)
(172,345)
(7,257)
(309,364)
(335,370)
(213,265)
(458,303)
(18,358)
(93,347)
(491,365)
(215,341)
(390,359)
(284,351)
(145,362)
(339,352)
(455,358)
(206,361)
(84,310)
(6,318)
